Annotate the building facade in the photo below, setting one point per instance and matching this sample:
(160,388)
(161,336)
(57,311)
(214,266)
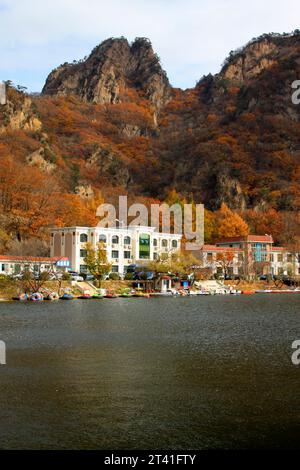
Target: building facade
(249,256)
(222,261)
(124,246)
(12,265)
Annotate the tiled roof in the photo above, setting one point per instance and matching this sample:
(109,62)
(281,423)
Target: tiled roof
(247,238)
(37,259)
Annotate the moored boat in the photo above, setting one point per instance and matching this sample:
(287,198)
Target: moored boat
(22,297)
(67,296)
(36,297)
(110,295)
(97,296)
(52,296)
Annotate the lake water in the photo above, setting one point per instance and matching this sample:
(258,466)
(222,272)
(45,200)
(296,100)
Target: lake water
(182,373)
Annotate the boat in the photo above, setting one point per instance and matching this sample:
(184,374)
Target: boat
(125,296)
(36,297)
(22,297)
(110,295)
(97,296)
(142,295)
(85,296)
(248,292)
(67,296)
(52,296)
(139,293)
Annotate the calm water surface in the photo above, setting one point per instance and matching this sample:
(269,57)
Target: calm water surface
(187,373)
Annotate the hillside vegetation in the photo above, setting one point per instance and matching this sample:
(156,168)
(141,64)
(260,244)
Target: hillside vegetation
(112,124)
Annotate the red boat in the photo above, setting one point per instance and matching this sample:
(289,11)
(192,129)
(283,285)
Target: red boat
(110,295)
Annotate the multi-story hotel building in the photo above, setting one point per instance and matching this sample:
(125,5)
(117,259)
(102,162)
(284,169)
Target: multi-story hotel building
(124,246)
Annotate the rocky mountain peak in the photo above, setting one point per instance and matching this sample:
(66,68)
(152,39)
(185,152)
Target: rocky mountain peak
(259,55)
(113,66)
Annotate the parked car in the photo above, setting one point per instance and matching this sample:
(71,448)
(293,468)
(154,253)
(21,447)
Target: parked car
(75,276)
(89,277)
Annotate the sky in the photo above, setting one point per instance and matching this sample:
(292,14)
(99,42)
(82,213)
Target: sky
(192,37)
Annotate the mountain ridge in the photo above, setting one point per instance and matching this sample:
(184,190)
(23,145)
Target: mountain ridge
(113,124)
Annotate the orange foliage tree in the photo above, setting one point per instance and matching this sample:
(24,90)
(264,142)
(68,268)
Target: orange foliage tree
(229,223)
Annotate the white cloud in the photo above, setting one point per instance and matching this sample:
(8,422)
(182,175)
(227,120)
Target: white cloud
(192,37)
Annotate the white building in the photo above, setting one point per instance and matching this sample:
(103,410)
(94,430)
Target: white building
(125,246)
(11,265)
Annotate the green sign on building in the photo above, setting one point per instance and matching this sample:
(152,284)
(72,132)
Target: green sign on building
(144,246)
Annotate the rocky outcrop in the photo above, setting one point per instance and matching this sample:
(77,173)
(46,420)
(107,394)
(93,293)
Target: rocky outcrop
(113,66)
(109,166)
(229,190)
(250,61)
(85,191)
(19,114)
(39,159)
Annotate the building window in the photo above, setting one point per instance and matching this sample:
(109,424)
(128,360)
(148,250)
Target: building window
(164,243)
(209,257)
(83,238)
(174,244)
(144,246)
(102,239)
(115,240)
(154,242)
(155,256)
(127,241)
(115,269)
(127,254)
(17,268)
(83,253)
(83,269)
(279,258)
(2,267)
(115,254)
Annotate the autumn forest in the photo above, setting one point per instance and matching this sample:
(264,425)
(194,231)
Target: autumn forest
(113,125)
